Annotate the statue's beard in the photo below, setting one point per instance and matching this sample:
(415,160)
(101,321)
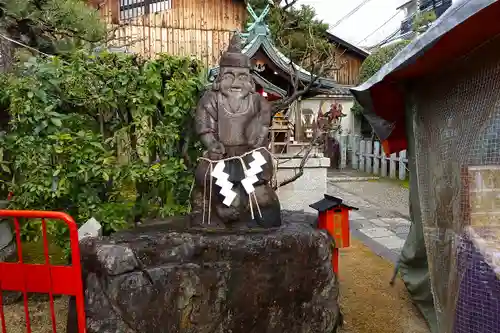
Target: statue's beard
(235,99)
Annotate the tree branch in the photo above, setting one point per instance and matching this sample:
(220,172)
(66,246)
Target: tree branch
(288,3)
(303,162)
(318,134)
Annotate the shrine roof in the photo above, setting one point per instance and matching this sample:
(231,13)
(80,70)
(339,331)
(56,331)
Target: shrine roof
(258,40)
(330,202)
(464,27)
(262,42)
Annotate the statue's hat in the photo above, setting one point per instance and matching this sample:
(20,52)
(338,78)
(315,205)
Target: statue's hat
(233,56)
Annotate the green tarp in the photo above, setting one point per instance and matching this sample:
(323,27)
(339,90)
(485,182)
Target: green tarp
(413,266)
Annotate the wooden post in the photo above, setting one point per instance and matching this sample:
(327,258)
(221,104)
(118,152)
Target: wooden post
(343,151)
(114,6)
(335,261)
(369,147)
(362,146)
(376,158)
(355,152)
(392,165)
(298,120)
(402,165)
(383,164)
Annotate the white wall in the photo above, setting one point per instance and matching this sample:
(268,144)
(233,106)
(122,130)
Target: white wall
(350,124)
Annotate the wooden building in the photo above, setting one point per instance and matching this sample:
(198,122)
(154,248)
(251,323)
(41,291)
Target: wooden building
(203,29)
(351,58)
(199,28)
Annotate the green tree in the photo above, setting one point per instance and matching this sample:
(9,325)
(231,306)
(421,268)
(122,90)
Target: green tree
(423,21)
(301,37)
(374,62)
(297,32)
(51,26)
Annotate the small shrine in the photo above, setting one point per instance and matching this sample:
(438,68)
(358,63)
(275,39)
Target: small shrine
(333,216)
(272,73)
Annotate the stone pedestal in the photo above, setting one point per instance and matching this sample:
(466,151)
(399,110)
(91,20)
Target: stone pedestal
(156,280)
(7,242)
(8,251)
(307,189)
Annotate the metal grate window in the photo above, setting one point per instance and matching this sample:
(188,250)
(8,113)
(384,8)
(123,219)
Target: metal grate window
(134,8)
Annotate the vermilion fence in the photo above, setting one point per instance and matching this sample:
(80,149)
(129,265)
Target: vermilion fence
(43,278)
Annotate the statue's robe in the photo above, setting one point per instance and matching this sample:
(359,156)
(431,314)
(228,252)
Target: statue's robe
(238,132)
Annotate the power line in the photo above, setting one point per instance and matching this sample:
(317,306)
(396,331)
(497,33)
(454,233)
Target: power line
(380,27)
(388,38)
(349,14)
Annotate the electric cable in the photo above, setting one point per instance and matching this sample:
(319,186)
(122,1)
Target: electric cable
(349,14)
(380,27)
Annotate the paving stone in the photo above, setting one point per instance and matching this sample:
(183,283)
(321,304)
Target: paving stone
(379,223)
(362,224)
(396,220)
(377,232)
(391,242)
(355,216)
(387,195)
(402,229)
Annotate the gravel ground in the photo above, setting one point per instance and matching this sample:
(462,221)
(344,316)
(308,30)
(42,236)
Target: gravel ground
(369,303)
(380,198)
(40,316)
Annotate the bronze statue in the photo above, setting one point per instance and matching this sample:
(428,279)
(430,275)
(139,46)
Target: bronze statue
(233,121)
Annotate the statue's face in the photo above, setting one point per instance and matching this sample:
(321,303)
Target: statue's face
(235,82)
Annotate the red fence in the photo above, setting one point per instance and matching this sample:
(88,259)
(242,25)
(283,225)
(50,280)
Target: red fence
(43,278)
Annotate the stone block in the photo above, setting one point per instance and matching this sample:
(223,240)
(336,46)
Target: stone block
(91,228)
(159,280)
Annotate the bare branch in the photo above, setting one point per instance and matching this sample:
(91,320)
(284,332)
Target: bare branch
(318,135)
(288,3)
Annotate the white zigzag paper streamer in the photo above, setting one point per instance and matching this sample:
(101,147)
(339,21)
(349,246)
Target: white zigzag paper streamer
(251,174)
(224,183)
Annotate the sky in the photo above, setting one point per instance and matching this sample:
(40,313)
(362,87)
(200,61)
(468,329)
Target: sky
(361,24)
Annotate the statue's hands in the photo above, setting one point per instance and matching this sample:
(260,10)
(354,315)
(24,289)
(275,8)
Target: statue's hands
(216,151)
(257,142)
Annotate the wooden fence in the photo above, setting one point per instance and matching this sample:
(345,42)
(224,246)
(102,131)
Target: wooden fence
(368,156)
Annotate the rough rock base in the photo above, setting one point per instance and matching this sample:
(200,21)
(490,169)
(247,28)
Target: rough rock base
(262,281)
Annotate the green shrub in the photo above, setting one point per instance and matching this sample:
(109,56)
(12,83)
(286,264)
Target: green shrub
(102,135)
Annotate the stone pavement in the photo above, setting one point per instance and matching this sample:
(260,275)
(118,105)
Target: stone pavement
(382,221)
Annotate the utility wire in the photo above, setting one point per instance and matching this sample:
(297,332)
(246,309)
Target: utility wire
(380,27)
(349,14)
(388,38)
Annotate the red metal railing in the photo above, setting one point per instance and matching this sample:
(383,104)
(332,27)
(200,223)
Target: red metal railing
(43,278)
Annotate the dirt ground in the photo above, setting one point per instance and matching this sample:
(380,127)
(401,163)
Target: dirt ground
(369,303)
(39,316)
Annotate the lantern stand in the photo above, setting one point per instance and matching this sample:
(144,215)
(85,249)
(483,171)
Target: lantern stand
(333,216)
